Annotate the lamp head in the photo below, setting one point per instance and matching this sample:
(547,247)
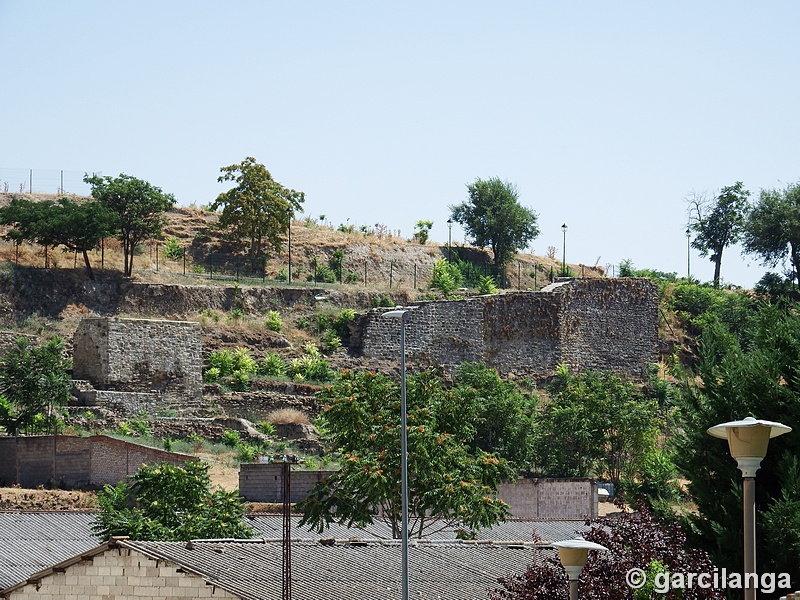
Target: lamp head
(574,553)
(564,228)
(748,440)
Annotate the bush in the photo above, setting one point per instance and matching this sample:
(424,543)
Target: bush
(446,277)
(240,381)
(172,249)
(266,428)
(247,452)
(273,365)
(287,416)
(331,341)
(310,367)
(382,301)
(212,375)
(222,360)
(486,285)
(230,438)
(273,322)
(242,361)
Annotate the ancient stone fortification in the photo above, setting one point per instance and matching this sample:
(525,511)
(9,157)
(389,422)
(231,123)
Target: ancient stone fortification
(588,324)
(140,356)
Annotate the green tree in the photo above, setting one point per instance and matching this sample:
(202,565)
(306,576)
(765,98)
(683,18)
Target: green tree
(258,208)
(138,207)
(595,424)
(493,216)
(719,223)
(167,502)
(447,482)
(35,386)
(78,227)
(757,374)
(422,230)
(772,228)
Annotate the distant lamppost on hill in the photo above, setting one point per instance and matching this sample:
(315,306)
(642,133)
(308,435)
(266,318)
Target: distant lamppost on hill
(450,240)
(289,232)
(564,252)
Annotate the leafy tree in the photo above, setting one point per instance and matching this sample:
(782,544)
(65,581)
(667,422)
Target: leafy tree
(167,502)
(493,216)
(422,230)
(772,229)
(35,386)
(634,541)
(78,227)
(757,374)
(138,207)
(595,424)
(719,223)
(447,481)
(258,208)
(500,413)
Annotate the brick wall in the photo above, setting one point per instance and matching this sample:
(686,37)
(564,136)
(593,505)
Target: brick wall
(264,482)
(140,355)
(592,323)
(120,573)
(75,461)
(550,498)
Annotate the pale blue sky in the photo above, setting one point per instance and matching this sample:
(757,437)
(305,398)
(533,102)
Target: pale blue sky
(605,114)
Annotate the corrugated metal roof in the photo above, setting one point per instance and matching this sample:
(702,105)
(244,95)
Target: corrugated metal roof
(441,569)
(32,541)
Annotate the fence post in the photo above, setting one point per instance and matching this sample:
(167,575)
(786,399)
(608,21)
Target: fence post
(391,270)
(415,275)
(365,273)
(184,261)
(211,264)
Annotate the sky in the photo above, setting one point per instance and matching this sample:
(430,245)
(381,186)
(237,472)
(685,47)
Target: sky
(605,115)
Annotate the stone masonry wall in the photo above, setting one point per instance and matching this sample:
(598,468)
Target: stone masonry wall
(140,355)
(75,461)
(597,324)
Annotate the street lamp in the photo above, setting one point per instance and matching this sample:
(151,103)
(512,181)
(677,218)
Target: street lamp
(289,230)
(449,240)
(748,440)
(573,555)
(401,313)
(688,253)
(564,252)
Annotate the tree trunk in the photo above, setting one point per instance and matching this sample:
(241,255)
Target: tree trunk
(89,271)
(717,268)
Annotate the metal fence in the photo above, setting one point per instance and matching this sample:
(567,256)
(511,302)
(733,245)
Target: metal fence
(43,181)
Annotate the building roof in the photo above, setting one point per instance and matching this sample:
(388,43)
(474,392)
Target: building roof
(33,542)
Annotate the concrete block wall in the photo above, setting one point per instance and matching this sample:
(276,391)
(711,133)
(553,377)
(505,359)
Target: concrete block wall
(75,461)
(550,498)
(140,355)
(119,573)
(593,323)
(264,482)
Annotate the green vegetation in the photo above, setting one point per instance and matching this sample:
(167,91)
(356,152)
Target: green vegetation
(167,502)
(34,387)
(446,277)
(422,230)
(173,249)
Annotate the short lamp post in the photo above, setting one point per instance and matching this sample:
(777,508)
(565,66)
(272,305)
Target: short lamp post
(748,440)
(564,252)
(450,240)
(402,314)
(573,555)
(289,235)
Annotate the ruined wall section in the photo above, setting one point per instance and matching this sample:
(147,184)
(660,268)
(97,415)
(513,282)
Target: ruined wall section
(609,327)
(589,324)
(140,355)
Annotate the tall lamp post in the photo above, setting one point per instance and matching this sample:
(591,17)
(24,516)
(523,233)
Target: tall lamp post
(450,240)
(573,555)
(402,314)
(289,230)
(564,252)
(688,253)
(748,440)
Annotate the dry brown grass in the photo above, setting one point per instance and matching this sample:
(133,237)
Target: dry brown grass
(287,416)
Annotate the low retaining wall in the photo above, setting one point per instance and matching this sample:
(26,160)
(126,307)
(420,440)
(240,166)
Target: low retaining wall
(75,462)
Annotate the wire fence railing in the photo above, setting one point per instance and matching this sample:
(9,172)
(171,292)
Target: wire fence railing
(44,181)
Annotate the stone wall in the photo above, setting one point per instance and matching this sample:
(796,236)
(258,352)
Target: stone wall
(75,462)
(550,498)
(597,324)
(140,355)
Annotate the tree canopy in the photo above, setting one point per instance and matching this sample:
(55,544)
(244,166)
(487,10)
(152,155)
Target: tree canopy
(719,223)
(492,216)
(167,502)
(138,207)
(258,208)
(34,386)
(449,483)
(772,229)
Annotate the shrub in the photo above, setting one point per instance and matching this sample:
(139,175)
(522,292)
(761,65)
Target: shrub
(310,367)
(266,428)
(382,301)
(286,416)
(341,323)
(240,381)
(273,365)
(486,285)
(247,452)
(230,438)
(242,361)
(273,322)
(212,375)
(222,360)
(331,341)
(446,277)
(172,249)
